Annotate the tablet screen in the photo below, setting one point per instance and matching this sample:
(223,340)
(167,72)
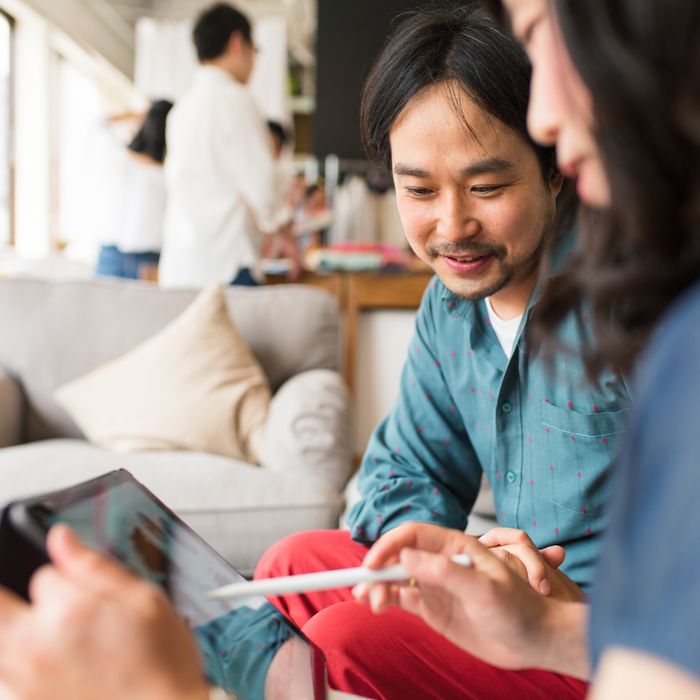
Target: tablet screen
(117,516)
(122,519)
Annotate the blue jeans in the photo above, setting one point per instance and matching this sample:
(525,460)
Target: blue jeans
(244,278)
(113,263)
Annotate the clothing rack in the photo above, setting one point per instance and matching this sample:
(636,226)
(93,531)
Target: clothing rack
(336,170)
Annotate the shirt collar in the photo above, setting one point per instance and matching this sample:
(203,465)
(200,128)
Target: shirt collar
(213,74)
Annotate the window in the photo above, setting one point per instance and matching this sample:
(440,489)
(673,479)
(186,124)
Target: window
(78,111)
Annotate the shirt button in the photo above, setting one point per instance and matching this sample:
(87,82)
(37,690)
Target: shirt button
(506,407)
(510,477)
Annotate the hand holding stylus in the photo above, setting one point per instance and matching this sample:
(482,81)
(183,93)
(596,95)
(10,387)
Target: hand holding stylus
(323,580)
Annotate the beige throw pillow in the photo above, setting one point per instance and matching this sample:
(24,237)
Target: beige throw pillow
(193,386)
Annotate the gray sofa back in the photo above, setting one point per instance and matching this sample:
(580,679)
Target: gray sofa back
(51,332)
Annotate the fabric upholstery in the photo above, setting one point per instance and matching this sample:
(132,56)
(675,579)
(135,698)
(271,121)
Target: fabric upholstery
(193,386)
(239,509)
(308,427)
(55,331)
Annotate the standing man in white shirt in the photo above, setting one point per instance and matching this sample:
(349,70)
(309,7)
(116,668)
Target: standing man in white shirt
(222,180)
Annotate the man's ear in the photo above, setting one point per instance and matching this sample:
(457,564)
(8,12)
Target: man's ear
(556,182)
(235,44)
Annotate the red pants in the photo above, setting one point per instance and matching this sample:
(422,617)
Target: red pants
(393,656)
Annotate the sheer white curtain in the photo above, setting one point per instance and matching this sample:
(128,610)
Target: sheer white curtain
(166,60)
(270,79)
(82,178)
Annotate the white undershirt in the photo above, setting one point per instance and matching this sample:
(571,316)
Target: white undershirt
(506,331)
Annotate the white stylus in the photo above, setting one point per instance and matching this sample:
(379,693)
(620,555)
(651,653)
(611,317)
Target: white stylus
(323,580)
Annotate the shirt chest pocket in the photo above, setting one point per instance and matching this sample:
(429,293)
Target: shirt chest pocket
(581,448)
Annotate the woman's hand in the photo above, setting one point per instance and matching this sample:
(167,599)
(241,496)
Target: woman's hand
(486,608)
(92,630)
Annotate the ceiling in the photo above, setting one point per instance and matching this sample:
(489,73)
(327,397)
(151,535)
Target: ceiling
(301,17)
(132,10)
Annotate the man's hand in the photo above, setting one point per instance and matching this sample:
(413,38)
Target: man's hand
(538,566)
(486,608)
(92,630)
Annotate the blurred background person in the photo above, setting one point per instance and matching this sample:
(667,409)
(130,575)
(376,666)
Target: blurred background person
(279,138)
(221,175)
(133,227)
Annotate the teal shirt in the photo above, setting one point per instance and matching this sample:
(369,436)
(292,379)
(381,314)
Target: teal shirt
(542,434)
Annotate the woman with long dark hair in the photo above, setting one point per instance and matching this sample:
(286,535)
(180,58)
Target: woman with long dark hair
(132,235)
(616,86)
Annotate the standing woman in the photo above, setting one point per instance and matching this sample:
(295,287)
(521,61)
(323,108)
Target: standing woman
(616,86)
(134,228)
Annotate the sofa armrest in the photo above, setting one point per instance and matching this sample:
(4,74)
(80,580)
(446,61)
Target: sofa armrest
(309,428)
(11,409)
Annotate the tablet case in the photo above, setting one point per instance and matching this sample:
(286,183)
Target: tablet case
(19,557)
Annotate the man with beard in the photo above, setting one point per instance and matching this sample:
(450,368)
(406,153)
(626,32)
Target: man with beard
(445,109)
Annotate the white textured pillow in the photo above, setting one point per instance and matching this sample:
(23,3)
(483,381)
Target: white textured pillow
(309,427)
(193,386)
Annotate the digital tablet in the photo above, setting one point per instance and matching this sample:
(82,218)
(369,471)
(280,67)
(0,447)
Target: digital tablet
(119,517)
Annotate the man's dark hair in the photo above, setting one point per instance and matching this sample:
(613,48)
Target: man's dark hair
(214,28)
(276,129)
(459,45)
(150,138)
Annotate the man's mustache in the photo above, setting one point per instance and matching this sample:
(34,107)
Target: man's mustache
(466,249)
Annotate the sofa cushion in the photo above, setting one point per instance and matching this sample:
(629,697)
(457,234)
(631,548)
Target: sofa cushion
(55,331)
(193,386)
(309,427)
(239,509)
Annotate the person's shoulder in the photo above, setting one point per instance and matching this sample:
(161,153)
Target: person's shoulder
(230,89)
(686,309)
(235,101)
(214,86)
(676,340)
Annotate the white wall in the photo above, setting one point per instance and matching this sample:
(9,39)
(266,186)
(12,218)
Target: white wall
(383,340)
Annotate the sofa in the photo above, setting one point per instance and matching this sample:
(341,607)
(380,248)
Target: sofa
(54,331)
